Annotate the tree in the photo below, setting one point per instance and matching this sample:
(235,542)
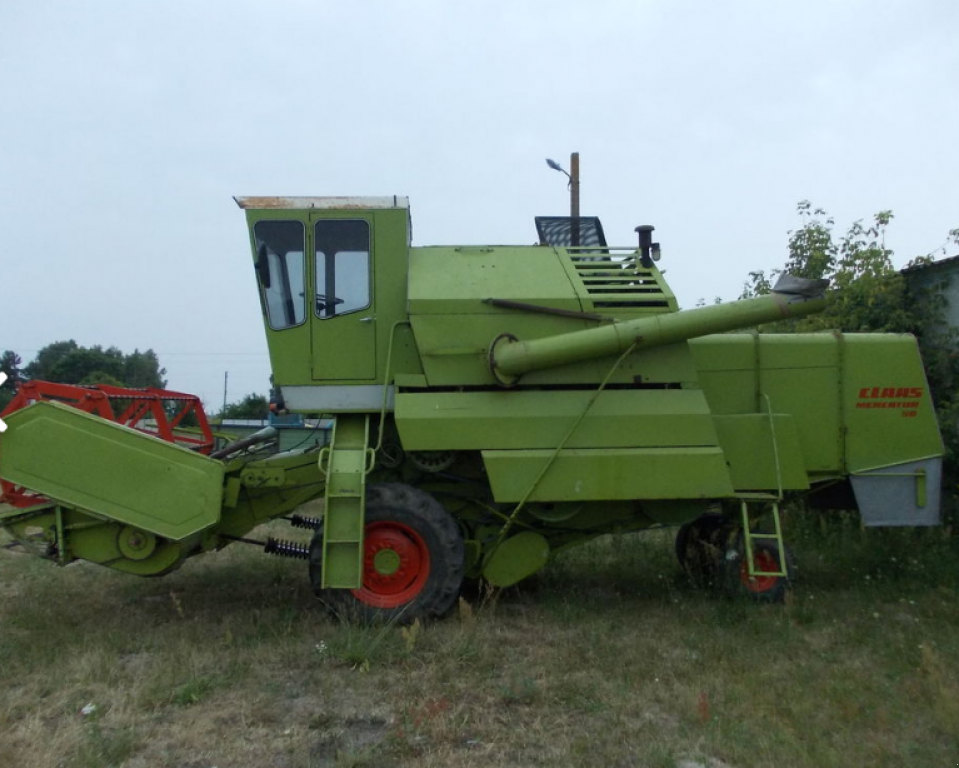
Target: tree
(142,369)
(67,362)
(90,365)
(47,358)
(868,292)
(252,406)
(812,253)
(10,363)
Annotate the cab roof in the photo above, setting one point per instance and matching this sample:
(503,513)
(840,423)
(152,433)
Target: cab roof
(326,203)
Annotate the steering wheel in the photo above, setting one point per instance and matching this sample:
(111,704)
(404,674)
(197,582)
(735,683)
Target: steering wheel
(324,302)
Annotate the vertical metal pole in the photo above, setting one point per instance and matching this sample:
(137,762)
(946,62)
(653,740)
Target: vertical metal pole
(226,375)
(574,198)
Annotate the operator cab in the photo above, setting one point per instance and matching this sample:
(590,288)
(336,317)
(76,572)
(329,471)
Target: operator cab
(332,279)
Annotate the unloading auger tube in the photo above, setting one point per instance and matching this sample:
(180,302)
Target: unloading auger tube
(792,297)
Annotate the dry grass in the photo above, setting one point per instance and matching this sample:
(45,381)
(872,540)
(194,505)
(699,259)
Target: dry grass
(609,659)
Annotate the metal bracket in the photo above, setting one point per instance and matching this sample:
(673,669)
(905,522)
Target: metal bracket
(263,477)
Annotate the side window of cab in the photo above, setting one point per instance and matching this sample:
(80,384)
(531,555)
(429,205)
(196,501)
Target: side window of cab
(342,252)
(280,265)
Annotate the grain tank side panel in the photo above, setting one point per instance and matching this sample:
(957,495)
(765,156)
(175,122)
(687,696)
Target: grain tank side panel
(763,454)
(860,404)
(812,394)
(728,372)
(798,373)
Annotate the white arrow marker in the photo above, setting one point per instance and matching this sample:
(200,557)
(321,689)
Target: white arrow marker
(3,378)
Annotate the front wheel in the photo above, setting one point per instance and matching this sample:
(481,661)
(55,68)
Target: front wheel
(413,559)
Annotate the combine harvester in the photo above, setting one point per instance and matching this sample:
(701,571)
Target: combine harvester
(493,405)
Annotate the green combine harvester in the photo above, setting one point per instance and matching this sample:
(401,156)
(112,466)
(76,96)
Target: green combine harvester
(493,405)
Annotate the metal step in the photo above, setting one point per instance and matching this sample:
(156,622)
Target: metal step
(345,462)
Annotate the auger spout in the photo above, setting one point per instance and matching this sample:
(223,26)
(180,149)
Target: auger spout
(792,297)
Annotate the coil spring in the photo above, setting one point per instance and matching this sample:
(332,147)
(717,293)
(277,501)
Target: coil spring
(286,549)
(301,521)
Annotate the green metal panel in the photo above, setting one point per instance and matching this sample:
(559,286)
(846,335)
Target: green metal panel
(888,408)
(812,395)
(454,347)
(607,474)
(859,401)
(456,280)
(524,419)
(799,373)
(516,558)
(728,368)
(747,442)
(789,351)
(90,463)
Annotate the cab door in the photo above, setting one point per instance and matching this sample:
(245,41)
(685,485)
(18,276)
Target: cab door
(343,321)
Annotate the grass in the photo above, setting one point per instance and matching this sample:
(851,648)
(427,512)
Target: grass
(608,658)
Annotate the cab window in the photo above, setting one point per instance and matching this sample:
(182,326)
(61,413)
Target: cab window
(280,265)
(342,249)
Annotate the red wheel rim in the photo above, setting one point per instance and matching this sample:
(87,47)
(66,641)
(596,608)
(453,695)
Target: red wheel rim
(763,561)
(396,565)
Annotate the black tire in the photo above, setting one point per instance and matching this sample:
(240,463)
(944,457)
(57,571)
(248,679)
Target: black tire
(700,547)
(738,583)
(422,545)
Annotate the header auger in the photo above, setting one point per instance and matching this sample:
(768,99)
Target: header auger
(493,405)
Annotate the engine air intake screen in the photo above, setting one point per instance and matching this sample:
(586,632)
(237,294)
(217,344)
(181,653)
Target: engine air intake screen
(558,231)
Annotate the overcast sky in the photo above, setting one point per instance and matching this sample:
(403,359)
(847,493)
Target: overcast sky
(128,126)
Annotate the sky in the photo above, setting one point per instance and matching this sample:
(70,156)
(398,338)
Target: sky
(127,128)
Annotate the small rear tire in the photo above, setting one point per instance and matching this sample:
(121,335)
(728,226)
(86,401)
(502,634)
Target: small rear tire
(413,560)
(762,589)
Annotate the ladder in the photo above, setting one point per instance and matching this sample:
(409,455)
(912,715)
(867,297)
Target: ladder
(749,536)
(345,462)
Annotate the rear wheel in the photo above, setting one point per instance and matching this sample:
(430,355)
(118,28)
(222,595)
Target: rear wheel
(762,588)
(413,559)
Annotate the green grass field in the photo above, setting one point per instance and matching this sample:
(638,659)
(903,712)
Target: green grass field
(607,659)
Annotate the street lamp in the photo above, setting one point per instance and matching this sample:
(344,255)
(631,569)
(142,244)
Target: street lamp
(573,194)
